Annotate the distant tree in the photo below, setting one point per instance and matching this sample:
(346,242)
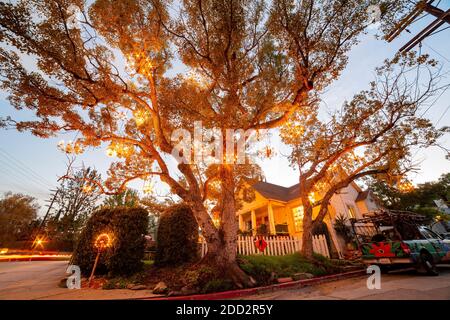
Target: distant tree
(75,200)
(128,198)
(419,199)
(17,212)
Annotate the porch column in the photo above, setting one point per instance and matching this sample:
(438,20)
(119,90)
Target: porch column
(253,222)
(241,222)
(271,219)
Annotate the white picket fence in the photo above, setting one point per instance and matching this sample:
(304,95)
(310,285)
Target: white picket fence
(276,245)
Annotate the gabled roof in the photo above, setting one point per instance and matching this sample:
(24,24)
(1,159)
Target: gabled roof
(276,192)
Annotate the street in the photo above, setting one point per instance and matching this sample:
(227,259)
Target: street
(39,280)
(404,285)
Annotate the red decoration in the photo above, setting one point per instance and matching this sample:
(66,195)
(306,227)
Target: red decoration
(382,250)
(261,244)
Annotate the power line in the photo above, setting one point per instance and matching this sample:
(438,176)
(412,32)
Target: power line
(22,188)
(27,179)
(443,114)
(434,102)
(34,173)
(436,52)
(437,31)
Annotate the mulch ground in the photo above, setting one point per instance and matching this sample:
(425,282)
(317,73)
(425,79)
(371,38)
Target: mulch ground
(174,278)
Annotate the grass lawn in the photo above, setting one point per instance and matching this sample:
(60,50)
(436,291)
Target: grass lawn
(266,269)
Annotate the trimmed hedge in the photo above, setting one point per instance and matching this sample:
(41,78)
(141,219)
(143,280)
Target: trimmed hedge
(177,241)
(127,227)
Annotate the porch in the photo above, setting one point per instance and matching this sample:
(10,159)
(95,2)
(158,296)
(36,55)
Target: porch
(271,214)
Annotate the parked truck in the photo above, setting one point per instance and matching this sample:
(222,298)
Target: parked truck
(391,239)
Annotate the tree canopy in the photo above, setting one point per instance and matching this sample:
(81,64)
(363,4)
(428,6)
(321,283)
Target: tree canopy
(17,212)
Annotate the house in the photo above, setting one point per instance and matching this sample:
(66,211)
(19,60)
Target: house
(280,210)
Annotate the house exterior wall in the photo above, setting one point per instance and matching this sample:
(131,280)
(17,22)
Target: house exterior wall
(368,205)
(343,200)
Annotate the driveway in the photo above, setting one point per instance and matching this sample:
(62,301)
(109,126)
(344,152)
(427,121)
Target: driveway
(39,280)
(394,286)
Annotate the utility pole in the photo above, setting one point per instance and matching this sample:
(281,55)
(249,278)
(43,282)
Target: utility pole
(442,17)
(52,201)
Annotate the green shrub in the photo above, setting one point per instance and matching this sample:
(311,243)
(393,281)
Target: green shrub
(127,227)
(177,241)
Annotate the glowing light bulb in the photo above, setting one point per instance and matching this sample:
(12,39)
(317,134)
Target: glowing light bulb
(87,188)
(311,197)
(111,151)
(140,117)
(148,187)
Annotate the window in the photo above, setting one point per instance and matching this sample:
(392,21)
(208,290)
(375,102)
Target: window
(351,212)
(298,218)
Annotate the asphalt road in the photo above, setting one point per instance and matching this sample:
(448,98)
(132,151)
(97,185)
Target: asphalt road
(404,285)
(39,280)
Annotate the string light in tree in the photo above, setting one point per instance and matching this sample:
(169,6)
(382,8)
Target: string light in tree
(405,186)
(117,149)
(140,62)
(87,188)
(71,147)
(140,117)
(110,151)
(148,187)
(312,197)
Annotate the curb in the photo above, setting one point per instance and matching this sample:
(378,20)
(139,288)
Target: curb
(245,292)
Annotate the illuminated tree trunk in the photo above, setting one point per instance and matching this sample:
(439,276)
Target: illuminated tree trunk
(307,247)
(221,241)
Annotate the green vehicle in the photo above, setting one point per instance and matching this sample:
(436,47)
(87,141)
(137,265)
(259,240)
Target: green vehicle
(393,239)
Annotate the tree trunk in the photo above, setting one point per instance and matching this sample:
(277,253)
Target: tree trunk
(307,246)
(221,242)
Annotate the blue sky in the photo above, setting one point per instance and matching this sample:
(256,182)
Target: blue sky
(32,165)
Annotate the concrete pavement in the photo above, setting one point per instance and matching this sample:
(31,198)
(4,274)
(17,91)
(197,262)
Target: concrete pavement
(39,280)
(407,285)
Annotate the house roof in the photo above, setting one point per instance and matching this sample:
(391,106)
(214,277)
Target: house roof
(276,192)
(362,195)
(285,194)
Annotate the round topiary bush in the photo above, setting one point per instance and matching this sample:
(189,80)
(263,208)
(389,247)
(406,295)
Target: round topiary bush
(127,228)
(177,241)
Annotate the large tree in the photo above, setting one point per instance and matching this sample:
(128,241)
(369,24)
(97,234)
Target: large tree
(17,213)
(371,135)
(107,73)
